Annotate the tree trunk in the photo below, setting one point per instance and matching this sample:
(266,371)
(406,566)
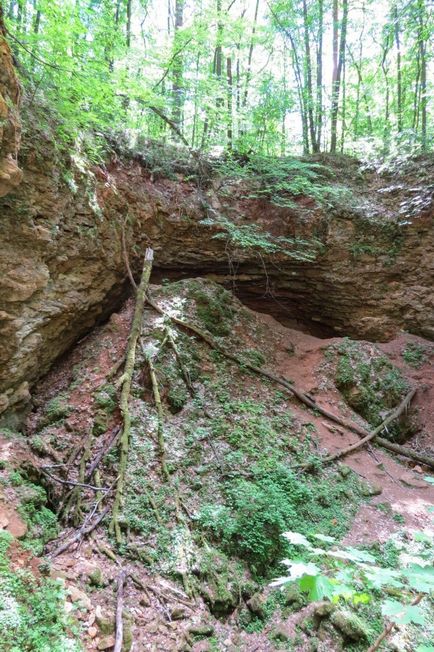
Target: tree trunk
(337,69)
(250,57)
(177,87)
(423,76)
(398,68)
(319,54)
(128,26)
(308,78)
(230,101)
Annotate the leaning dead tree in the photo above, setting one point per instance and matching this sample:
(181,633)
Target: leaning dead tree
(125,383)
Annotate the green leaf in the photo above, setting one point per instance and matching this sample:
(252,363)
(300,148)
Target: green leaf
(379,577)
(297,539)
(317,587)
(420,578)
(425,648)
(325,538)
(361,598)
(299,568)
(429,478)
(352,554)
(402,614)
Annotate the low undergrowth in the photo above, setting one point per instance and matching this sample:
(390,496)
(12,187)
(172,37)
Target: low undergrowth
(370,384)
(32,615)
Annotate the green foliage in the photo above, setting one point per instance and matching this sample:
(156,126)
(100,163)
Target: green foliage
(41,521)
(106,398)
(353,575)
(56,410)
(250,236)
(281,180)
(369,381)
(214,309)
(102,69)
(257,511)
(414,354)
(32,616)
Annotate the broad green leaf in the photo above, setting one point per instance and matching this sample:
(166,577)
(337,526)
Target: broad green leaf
(421,536)
(325,538)
(420,578)
(299,568)
(297,539)
(425,648)
(379,577)
(402,614)
(317,587)
(352,554)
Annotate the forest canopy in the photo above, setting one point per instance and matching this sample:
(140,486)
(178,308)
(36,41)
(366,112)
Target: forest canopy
(272,77)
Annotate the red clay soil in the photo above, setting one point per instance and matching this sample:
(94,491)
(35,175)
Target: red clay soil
(402,483)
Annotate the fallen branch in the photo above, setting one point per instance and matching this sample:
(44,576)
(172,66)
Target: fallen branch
(390,627)
(301,396)
(102,453)
(392,416)
(85,529)
(71,483)
(127,378)
(405,452)
(119,638)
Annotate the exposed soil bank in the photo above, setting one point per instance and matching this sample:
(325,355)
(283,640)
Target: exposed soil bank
(62,267)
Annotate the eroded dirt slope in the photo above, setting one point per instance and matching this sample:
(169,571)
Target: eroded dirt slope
(203,544)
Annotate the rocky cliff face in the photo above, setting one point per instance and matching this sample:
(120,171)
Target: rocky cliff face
(62,268)
(10,174)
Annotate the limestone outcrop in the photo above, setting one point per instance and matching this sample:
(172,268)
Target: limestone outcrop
(62,267)
(10,130)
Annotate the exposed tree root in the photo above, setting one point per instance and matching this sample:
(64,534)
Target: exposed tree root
(119,638)
(301,396)
(392,416)
(183,368)
(126,382)
(160,418)
(389,628)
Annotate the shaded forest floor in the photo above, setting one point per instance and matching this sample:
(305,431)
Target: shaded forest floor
(204,543)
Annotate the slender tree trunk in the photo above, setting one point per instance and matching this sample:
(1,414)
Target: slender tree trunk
(344,105)
(415,119)
(319,64)
(128,25)
(308,78)
(230,101)
(218,55)
(177,86)
(250,56)
(337,70)
(386,130)
(423,76)
(398,68)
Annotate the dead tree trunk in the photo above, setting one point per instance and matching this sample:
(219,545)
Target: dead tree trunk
(126,381)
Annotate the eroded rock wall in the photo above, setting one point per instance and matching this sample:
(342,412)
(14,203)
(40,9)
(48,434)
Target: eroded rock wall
(62,267)
(10,130)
